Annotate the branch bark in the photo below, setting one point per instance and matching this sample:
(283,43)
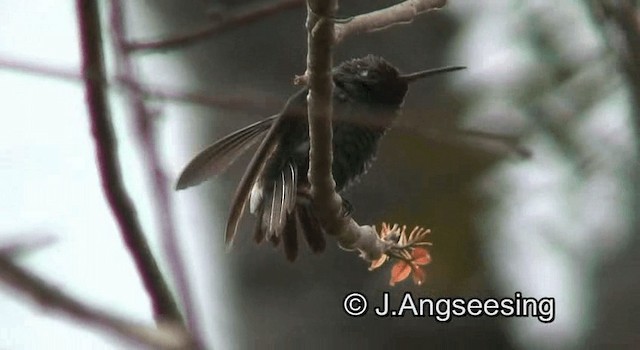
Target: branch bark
(327,203)
(164,305)
(402,13)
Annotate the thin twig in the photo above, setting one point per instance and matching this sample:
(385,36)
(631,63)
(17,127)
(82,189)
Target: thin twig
(243,102)
(40,69)
(145,130)
(25,243)
(401,13)
(248,102)
(164,305)
(45,295)
(231,21)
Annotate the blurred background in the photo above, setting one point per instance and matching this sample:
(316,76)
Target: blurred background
(556,76)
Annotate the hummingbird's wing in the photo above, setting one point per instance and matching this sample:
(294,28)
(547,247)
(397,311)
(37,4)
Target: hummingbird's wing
(492,143)
(216,158)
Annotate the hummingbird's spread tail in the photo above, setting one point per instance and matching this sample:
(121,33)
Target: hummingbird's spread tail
(282,210)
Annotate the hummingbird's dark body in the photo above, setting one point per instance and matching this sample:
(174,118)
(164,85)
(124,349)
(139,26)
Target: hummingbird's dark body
(367,98)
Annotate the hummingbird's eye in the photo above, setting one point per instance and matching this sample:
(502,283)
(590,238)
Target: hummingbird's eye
(340,92)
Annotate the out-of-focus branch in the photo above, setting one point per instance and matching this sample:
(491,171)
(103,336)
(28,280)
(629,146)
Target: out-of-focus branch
(623,17)
(143,120)
(164,305)
(401,13)
(40,69)
(22,245)
(249,102)
(555,110)
(244,102)
(231,21)
(166,336)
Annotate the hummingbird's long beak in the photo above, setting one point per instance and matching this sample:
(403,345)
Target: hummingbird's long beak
(411,77)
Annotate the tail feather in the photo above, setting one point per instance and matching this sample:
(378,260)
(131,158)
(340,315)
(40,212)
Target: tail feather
(282,210)
(311,228)
(275,240)
(259,232)
(265,219)
(290,238)
(300,219)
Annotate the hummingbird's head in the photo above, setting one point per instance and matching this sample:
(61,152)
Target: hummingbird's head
(373,80)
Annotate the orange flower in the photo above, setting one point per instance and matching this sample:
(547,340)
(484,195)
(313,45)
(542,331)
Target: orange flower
(403,268)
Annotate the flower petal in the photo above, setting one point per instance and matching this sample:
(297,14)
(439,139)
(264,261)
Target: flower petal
(418,275)
(420,256)
(399,272)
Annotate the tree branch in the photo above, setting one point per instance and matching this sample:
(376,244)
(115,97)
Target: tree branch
(22,244)
(402,13)
(167,336)
(327,203)
(145,130)
(164,306)
(232,21)
(244,102)
(320,110)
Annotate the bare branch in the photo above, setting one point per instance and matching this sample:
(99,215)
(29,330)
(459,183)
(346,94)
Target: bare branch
(164,306)
(144,123)
(231,21)
(249,102)
(320,110)
(26,243)
(401,13)
(244,102)
(327,203)
(167,336)
(40,69)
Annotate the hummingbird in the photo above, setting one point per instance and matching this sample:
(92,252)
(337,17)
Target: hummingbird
(368,96)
